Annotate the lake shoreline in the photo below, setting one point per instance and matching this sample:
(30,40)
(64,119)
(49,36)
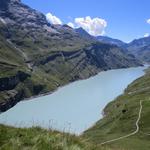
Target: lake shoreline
(103,112)
(51,92)
(32,100)
(10,104)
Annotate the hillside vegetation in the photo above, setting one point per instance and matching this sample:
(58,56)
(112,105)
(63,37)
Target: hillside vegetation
(120,118)
(39,139)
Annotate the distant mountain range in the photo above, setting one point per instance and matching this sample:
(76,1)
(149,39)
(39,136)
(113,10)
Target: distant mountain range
(103,39)
(109,40)
(139,47)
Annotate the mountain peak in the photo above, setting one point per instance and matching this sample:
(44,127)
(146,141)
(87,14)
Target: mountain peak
(83,33)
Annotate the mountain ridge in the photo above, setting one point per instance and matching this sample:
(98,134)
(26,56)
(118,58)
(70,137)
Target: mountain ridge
(110,40)
(140,48)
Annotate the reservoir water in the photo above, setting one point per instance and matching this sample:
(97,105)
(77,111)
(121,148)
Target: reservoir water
(74,107)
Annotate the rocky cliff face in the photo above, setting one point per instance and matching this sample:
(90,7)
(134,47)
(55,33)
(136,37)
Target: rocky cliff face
(53,55)
(10,99)
(9,83)
(8,94)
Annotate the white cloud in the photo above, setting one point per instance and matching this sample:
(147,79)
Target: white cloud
(95,26)
(146,35)
(53,19)
(71,25)
(148,21)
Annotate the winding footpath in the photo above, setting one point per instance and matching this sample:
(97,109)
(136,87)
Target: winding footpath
(134,132)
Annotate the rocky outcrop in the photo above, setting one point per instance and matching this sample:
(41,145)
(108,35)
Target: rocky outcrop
(17,12)
(11,98)
(9,94)
(9,83)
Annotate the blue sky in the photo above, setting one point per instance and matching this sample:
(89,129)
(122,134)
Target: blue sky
(126,19)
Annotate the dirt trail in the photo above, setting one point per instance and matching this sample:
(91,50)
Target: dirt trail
(133,133)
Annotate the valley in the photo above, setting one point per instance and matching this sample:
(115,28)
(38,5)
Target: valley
(69,86)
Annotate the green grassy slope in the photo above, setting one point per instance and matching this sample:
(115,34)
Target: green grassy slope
(120,117)
(37,139)
(40,139)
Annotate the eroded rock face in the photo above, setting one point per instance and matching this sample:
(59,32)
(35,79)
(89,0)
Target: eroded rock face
(11,99)
(26,24)
(19,13)
(8,83)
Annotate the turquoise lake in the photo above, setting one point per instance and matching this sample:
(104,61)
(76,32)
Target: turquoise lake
(74,107)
